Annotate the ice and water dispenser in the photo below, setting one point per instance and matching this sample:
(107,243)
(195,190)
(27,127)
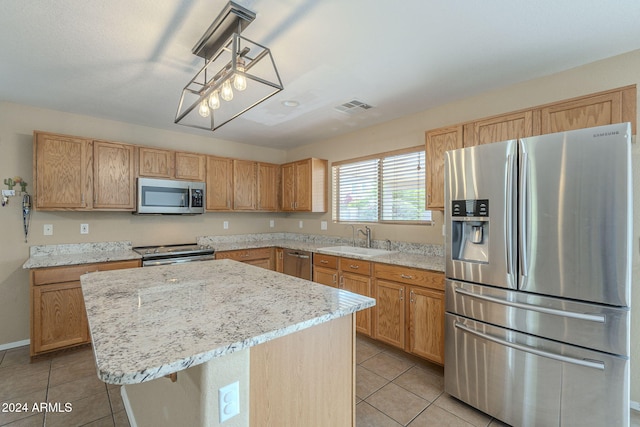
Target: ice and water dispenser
(470,230)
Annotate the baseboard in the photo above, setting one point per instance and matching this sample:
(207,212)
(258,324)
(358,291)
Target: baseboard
(11,345)
(127,407)
(635,406)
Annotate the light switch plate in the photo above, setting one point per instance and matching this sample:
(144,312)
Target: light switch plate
(48,230)
(272,223)
(300,224)
(323,225)
(225,225)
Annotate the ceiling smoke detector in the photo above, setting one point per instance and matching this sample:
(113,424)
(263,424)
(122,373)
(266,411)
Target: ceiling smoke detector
(353,107)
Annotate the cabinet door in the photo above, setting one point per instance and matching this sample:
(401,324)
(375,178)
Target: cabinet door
(390,313)
(279,254)
(219,183)
(437,142)
(288,182)
(303,186)
(325,276)
(501,128)
(113,176)
(263,263)
(359,284)
(426,324)
(190,166)
(59,318)
(268,186)
(62,169)
(155,162)
(244,185)
(616,106)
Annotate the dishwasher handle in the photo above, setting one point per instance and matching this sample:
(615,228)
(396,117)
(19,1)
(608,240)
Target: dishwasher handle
(298,255)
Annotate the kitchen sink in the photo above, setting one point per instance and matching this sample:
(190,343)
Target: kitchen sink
(351,250)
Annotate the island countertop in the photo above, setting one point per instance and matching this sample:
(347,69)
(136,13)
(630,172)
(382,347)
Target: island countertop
(149,322)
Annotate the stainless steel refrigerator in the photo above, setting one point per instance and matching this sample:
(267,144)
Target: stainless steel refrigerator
(538,266)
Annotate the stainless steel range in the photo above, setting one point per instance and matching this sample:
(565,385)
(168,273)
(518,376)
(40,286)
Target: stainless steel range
(174,254)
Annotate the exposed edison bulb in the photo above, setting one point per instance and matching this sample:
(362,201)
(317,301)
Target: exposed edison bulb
(226,93)
(214,100)
(240,81)
(204,109)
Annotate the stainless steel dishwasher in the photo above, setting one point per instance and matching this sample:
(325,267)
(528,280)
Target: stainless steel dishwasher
(297,263)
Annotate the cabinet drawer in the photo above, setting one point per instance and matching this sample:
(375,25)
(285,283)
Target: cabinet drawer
(245,254)
(357,266)
(328,261)
(71,273)
(411,276)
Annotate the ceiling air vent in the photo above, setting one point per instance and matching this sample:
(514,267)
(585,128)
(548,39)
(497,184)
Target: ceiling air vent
(353,107)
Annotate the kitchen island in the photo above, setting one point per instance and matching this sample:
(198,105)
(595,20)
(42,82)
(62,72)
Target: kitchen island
(289,343)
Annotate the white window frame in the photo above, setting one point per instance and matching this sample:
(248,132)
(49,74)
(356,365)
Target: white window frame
(372,169)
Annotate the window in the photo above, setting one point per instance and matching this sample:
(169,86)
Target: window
(389,187)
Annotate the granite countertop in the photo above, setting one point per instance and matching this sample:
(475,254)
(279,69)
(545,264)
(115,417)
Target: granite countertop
(406,259)
(149,322)
(85,253)
(79,253)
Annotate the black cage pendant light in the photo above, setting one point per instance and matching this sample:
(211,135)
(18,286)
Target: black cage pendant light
(238,73)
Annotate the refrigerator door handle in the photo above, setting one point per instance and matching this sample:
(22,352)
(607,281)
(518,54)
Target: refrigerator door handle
(599,318)
(595,364)
(509,214)
(523,228)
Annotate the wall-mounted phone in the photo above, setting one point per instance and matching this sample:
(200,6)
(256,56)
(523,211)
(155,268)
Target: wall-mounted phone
(26,214)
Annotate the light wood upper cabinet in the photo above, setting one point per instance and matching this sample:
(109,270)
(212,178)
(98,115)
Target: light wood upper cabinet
(304,186)
(79,174)
(500,128)
(268,180)
(190,166)
(113,176)
(244,185)
(437,142)
(219,183)
(62,169)
(605,108)
(154,162)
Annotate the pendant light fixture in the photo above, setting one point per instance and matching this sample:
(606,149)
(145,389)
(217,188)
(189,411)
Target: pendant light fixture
(238,73)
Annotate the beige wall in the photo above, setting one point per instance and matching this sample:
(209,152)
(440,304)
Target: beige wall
(18,122)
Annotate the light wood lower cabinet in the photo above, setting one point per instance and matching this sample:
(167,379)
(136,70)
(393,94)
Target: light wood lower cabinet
(325,269)
(58,316)
(260,257)
(355,276)
(409,311)
(426,324)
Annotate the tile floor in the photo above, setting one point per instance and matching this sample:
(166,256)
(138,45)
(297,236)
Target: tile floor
(66,378)
(392,389)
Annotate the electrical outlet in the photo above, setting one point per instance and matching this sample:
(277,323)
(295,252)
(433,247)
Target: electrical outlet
(48,230)
(225,225)
(323,225)
(300,225)
(229,401)
(272,223)
(84,228)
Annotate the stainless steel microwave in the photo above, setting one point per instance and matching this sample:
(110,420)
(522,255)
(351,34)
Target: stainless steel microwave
(170,197)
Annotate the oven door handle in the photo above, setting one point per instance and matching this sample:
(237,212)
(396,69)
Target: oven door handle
(181,260)
(599,318)
(595,364)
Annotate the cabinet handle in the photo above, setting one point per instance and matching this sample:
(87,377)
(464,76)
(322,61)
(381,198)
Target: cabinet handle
(401,294)
(341,285)
(324,261)
(355,267)
(411,297)
(295,205)
(406,276)
(335,277)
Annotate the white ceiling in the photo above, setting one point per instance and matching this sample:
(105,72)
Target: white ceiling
(128,60)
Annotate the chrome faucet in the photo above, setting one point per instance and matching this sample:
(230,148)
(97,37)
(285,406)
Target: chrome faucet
(367,233)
